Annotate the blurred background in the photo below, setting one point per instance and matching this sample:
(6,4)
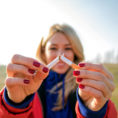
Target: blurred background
(24,22)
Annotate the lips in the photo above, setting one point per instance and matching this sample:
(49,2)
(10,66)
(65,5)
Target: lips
(60,64)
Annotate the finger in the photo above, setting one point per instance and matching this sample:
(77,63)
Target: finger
(41,75)
(16,81)
(96,97)
(12,69)
(97,67)
(91,92)
(29,62)
(94,76)
(99,85)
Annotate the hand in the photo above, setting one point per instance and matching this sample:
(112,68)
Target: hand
(95,85)
(25,76)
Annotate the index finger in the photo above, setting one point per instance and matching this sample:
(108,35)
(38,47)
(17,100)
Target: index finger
(26,61)
(96,67)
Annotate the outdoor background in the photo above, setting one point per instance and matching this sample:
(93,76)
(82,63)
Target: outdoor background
(24,22)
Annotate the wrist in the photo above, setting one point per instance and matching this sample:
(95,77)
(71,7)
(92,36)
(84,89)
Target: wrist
(88,113)
(14,97)
(20,105)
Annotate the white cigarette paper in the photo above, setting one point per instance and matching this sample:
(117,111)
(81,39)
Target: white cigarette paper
(67,61)
(54,62)
(70,63)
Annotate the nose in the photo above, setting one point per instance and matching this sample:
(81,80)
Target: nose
(60,52)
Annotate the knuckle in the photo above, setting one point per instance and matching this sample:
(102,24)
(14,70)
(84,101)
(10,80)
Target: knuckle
(45,75)
(15,57)
(99,95)
(7,81)
(9,67)
(110,95)
(112,76)
(101,76)
(102,86)
(85,72)
(88,81)
(88,65)
(101,66)
(113,87)
(89,90)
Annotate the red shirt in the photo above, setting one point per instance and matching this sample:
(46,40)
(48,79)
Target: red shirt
(34,110)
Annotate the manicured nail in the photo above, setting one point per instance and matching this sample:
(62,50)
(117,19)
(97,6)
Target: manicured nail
(31,71)
(82,64)
(36,64)
(79,79)
(81,86)
(45,69)
(26,81)
(76,73)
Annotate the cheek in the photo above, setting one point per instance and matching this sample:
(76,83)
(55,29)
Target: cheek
(50,56)
(70,55)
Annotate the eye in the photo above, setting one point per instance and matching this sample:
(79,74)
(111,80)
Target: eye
(68,48)
(53,48)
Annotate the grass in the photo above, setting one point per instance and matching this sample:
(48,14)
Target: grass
(113,68)
(2,76)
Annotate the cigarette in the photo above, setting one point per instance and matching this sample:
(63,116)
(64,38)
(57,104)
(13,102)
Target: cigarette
(67,61)
(54,62)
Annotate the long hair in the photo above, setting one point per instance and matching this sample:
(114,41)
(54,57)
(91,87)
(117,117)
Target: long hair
(70,82)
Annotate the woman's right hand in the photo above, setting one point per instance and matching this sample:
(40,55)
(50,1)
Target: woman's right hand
(25,76)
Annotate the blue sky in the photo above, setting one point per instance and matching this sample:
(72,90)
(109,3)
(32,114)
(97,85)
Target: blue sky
(24,22)
(103,16)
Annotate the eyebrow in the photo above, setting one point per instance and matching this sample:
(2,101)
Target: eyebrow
(65,44)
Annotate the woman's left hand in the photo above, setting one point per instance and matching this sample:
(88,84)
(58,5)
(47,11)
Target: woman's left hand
(95,85)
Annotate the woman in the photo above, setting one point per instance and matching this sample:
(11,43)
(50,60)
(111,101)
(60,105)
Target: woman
(56,88)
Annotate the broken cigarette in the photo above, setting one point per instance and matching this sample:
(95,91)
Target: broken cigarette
(54,62)
(64,59)
(72,64)
(67,61)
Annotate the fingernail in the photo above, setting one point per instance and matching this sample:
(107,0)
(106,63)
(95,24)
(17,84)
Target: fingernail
(82,64)
(76,73)
(36,64)
(31,71)
(26,81)
(45,69)
(79,79)
(81,86)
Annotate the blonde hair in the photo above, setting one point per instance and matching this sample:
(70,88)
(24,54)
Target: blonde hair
(70,84)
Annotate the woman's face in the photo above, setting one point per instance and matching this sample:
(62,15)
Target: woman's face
(59,44)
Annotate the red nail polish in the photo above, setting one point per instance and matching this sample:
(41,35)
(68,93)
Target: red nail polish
(36,64)
(82,64)
(76,73)
(31,71)
(26,81)
(79,79)
(45,69)
(81,86)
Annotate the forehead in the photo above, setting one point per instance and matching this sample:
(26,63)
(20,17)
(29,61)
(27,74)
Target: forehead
(59,38)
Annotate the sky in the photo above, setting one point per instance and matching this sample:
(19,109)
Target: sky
(24,22)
